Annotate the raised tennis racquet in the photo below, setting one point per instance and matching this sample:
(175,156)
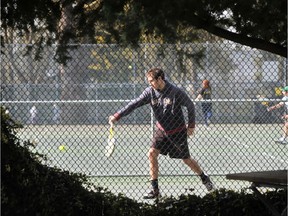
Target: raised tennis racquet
(111,143)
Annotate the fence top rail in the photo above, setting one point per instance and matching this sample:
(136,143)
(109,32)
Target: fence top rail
(117,101)
(64,101)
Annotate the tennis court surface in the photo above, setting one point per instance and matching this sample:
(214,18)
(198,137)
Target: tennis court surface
(220,149)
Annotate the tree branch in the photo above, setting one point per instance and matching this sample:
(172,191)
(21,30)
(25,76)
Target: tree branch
(239,38)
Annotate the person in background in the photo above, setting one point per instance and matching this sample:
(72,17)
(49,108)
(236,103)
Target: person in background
(262,115)
(170,136)
(33,115)
(284,102)
(56,114)
(206,94)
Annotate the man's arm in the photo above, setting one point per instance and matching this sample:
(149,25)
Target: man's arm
(276,106)
(200,95)
(186,101)
(190,131)
(143,99)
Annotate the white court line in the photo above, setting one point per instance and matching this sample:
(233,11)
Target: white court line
(263,153)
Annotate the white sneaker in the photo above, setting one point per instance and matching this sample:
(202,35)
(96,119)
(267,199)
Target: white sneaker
(208,184)
(208,121)
(152,194)
(282,140)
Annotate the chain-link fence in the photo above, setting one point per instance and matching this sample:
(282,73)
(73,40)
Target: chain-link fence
(65,110)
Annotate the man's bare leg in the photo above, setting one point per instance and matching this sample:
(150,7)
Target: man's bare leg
(154,170)
(194,166)
(153,163)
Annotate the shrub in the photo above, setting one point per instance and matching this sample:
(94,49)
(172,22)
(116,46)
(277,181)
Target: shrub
(30,188)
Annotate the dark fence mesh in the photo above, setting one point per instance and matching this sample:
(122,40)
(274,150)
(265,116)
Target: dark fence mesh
(65,110)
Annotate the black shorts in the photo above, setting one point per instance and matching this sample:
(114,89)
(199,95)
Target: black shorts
(174,145)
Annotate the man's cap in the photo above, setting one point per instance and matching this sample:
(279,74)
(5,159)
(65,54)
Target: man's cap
(285,89)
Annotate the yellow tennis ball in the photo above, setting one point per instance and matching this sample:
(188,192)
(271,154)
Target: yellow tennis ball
(62,148)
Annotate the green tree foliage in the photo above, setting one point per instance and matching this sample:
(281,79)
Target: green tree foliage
(259,24)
